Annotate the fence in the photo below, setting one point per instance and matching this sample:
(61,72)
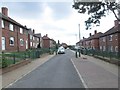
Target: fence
(8,59)
(102,54)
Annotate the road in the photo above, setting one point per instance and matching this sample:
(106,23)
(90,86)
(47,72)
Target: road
(58,72)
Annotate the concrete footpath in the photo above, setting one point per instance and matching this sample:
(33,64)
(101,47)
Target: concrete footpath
(13,76)
(96,73)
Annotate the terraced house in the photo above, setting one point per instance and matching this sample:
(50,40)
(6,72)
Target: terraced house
(110,40)
(15,37)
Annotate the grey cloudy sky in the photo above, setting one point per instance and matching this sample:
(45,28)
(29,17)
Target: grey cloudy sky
(57,19)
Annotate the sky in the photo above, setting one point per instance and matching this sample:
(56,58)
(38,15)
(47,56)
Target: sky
(56,18)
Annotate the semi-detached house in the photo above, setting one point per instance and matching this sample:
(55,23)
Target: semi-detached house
(14,36)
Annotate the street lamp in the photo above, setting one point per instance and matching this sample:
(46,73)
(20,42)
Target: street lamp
(79,39)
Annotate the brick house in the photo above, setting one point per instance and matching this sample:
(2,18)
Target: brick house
(110,40)
(33,39)
(47,42)
(14,35)
(92,42)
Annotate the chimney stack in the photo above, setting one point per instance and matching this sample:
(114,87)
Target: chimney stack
(95,32)
(83,37)
(116,23)
(46,35)
(90,34)
(33,31)
(5,11)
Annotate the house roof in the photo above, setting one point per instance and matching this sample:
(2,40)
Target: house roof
(38,35)
(45,38)
(11,20)
(95,36)
(115,29)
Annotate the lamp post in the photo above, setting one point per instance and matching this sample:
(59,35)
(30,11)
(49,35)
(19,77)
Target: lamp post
(79,40)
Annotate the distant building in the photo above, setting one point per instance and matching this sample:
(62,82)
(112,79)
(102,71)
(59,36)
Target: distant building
(93,41)
(47,42)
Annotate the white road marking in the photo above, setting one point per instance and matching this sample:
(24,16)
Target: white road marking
(79,74)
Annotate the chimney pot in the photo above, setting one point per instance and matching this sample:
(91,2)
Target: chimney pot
(116,22)
(95,31)
(5,11)
(90,34)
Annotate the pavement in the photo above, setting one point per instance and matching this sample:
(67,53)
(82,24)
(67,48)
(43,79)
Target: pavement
(12,76)
(96,73)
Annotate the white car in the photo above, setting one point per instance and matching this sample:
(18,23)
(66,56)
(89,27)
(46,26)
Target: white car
(61,50)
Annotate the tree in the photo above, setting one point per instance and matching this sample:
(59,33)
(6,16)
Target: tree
(96,9)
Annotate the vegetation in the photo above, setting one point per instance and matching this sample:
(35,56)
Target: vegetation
(96,10)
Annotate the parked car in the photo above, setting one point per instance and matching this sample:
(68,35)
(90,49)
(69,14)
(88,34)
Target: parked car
(61,50)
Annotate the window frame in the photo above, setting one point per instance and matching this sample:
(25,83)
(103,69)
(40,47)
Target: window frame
(21,30)
(3,23)
(10,41)
(11,27)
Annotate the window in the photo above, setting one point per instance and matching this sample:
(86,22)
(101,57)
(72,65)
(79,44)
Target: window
(21,42)
(31,37)
(11,27)
(111,48)
(37,39)
(11,41)
(31,44)
(3,25)
(104,48)
(110,37)
(103,39)
(21,30)
(116,48)
(100,47)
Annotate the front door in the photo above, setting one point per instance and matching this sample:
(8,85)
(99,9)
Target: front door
(3,43)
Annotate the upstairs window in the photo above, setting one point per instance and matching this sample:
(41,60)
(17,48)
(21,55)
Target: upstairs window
(11,27)
(21,30)
(3,25)
(110,37)
(11,41)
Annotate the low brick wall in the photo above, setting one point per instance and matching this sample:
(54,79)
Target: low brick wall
(15,66)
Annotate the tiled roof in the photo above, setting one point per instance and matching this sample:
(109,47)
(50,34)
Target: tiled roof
(11,20)
(45,37)
(112,31)
(95,36)
(38,35)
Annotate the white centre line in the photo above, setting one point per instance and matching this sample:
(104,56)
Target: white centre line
(84,84)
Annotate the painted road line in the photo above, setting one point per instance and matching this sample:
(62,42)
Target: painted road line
(84,84)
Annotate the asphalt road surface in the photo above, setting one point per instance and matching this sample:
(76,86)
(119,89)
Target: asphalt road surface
(58,72)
